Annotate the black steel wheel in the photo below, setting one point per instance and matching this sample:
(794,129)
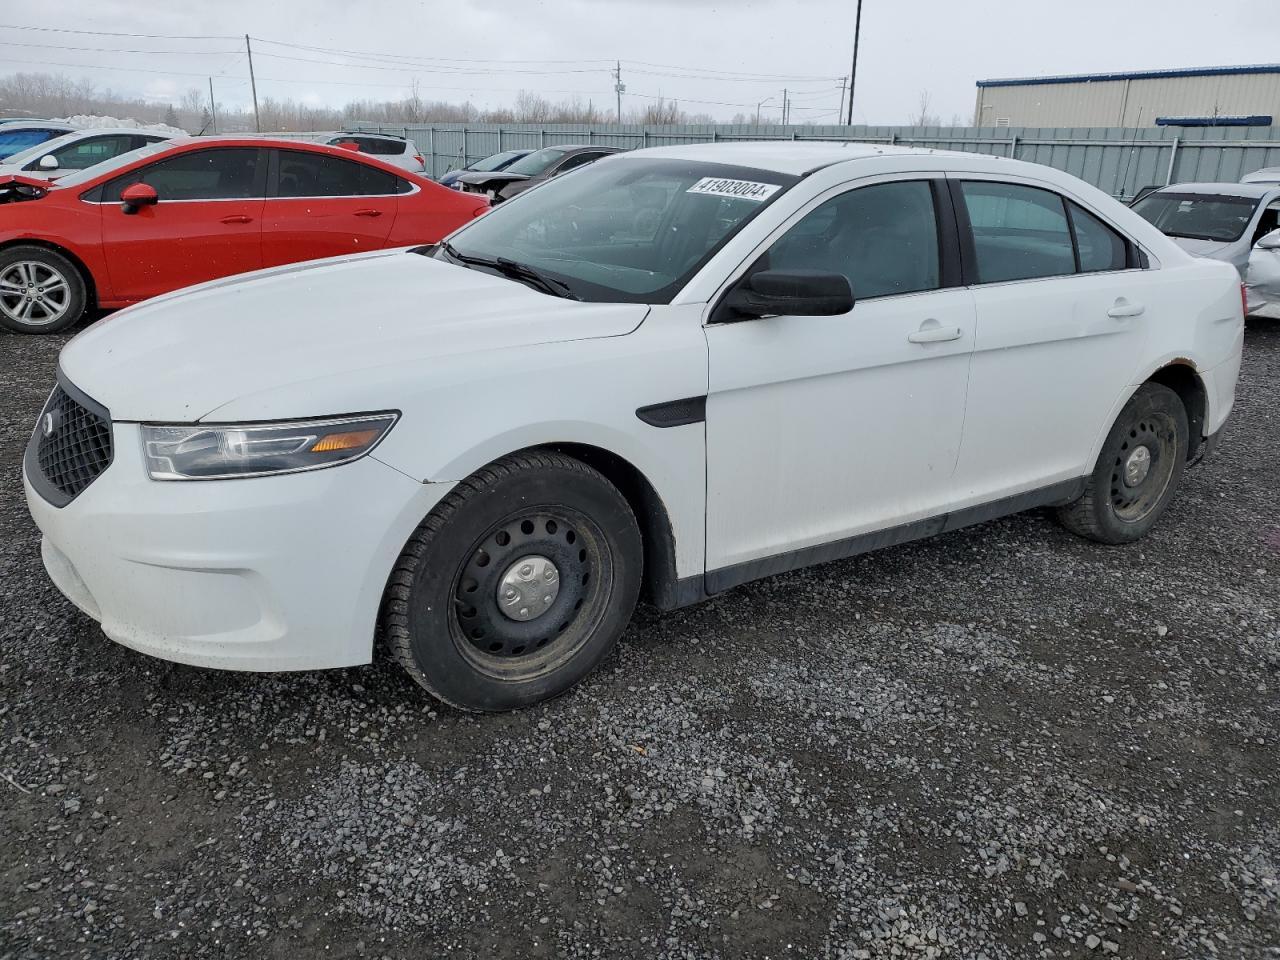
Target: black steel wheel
(1137,471)
(516,585)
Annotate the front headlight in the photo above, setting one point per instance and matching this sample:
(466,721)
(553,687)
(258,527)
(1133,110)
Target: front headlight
(220,451)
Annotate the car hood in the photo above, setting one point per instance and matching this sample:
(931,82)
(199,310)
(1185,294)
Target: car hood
(1202,248)
(275,341)
(493,177)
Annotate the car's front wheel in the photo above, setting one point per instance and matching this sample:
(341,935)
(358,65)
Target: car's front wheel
(516,585)
(41,291)
(1137,471)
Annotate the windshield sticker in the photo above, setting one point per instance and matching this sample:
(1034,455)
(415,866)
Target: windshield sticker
(740,189)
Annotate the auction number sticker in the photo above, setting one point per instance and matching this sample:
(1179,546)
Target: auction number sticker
(741,189)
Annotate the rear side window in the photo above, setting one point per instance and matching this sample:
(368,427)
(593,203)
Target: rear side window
(1019,233)
(319,175)
(1101,248)
(380,146)
(884,238)
(228,173)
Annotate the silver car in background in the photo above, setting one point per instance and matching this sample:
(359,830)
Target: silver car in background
(1221,221)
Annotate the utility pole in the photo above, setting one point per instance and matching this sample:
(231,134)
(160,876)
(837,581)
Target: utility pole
(843,81)
(853,70)
(213,107)
(253,84)
(618,87)
(784,106)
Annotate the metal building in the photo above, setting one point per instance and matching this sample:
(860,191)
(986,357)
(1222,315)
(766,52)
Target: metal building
(1207,96)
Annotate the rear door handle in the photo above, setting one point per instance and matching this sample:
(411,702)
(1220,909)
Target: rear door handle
(237,218)
(1123,309)
(933,332)
(368,212)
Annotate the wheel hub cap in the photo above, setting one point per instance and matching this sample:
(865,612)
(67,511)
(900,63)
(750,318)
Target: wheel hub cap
(1137,466)
(528,588)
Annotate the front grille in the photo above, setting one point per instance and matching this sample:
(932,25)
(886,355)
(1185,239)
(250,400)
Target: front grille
(71,445)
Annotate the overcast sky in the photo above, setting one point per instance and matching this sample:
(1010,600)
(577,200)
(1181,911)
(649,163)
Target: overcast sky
(908,46)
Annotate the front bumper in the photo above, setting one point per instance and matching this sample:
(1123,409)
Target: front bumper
(272,573)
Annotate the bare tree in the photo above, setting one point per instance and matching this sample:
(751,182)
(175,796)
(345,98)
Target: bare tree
(922,117)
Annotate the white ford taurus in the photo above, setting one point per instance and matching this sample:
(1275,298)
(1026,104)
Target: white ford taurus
(672,371)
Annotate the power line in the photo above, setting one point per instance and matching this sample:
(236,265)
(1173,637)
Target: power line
(58,46)
(106,33)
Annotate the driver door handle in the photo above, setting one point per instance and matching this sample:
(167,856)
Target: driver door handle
(237,218)
(933,332)
(368,212)
(1124,309)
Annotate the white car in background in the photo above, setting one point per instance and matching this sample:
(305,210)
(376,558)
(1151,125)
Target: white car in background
(78,150)
(670,372)
(399,151)
(1221,221)
(1266,175)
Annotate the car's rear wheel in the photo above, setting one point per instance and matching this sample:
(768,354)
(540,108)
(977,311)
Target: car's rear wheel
(516,585)
(41,291)
(1137,471)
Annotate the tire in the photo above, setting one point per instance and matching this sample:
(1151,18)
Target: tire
(541,534)
(41,291)
(1130,489)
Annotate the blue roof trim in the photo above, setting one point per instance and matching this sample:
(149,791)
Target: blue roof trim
(1260,120)
(1134,75)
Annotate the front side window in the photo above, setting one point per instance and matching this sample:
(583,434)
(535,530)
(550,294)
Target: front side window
(1197,216)
(883,238)
(632,230)
(85,153)
(229,173)
(1019,233)
(319,175)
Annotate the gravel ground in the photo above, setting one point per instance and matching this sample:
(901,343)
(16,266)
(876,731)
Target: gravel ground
(1001,743)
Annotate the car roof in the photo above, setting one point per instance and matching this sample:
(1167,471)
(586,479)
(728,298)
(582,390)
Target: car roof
(1265,175)
(798,158)
(36,125)
(1254,191)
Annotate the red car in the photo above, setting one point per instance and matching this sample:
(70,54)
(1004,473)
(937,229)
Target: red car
(185,211)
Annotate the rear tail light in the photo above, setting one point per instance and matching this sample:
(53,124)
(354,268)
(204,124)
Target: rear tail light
(1244,300)
(418,157)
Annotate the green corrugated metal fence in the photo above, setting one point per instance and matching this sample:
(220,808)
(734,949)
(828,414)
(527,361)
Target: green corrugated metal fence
(1117,160)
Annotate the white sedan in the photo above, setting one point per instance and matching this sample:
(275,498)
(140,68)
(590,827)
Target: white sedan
(667,373)
(78,150)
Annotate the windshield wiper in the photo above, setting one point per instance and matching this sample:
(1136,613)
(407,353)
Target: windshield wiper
(516,271)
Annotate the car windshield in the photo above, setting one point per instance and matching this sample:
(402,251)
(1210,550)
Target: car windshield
(16,140)
(115,163)
(1198,216)
(536,162)
(626,229)
(496,162)
(40,149)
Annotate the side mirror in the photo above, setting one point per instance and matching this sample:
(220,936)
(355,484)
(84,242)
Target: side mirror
(48,162)
(1269,242)
(138,195)
(802,293)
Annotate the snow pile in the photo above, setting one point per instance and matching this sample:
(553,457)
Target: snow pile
(84,122)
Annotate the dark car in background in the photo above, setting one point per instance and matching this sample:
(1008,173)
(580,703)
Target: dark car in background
(531,170)
(499,161)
